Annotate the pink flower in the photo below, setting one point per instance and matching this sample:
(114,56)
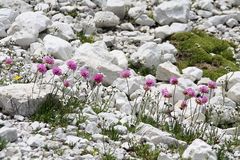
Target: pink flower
(150,82)
(183,104)
(125,73)
(98,78)
(48,60)
(84,72)
(189,92)
(72,65)
(166,93)
(9,61)
(201,100)
(173,81)
(57,71)
(203,89)
(212,85)
(66,83)
(42,68)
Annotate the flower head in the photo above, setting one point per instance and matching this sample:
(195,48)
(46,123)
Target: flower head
(203,89)
(66,83)
(42,68)
(8,61)
(48,60)
(57,71)
(98,78)
(201,100)
(150,82)
(72,65)
(126,73)
(189,92)
(212,85)
(84,72)
(183,104)
(173,81)
(166,93)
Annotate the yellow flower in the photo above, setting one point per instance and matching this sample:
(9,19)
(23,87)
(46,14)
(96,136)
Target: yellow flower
(17,77)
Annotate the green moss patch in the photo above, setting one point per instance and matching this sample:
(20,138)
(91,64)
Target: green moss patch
(200,49)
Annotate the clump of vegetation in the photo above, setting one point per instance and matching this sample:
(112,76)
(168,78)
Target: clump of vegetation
(3,143)
(108,156)
(141,69)
(111,133)
(143,151)
(85,39)
(200,49)
(52,111)
(73,13)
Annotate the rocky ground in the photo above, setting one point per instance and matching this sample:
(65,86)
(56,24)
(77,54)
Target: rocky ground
(120,79)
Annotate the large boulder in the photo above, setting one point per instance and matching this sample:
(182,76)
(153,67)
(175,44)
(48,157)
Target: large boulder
(199,150)
(58,47)
(7,17)
(172,11)
(97,57)
(106,19)
(22,99)
(27,26)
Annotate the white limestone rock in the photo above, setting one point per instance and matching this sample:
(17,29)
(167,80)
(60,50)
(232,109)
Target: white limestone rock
(149,54)
(167,70)
(17,5)
(20,99)
(204,4)
(58,47)
(219,100)
(136,12)
(106,19)
(234,93)
(157,136)
(119,58)
(232,78)
(9,134)
(162,32)
(192,73)
(98,59)
(62,30)
(7,17)
(172,11)
(144,20)
(134,83)
(199,149)
(232,22)
(42,7)
(27,26)
(116,6)
(36,141)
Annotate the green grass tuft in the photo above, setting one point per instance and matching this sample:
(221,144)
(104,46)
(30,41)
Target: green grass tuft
(3,143)
(143,152)
(85,39)
(195,49)
(141,69)
(111,133)
(53,111)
